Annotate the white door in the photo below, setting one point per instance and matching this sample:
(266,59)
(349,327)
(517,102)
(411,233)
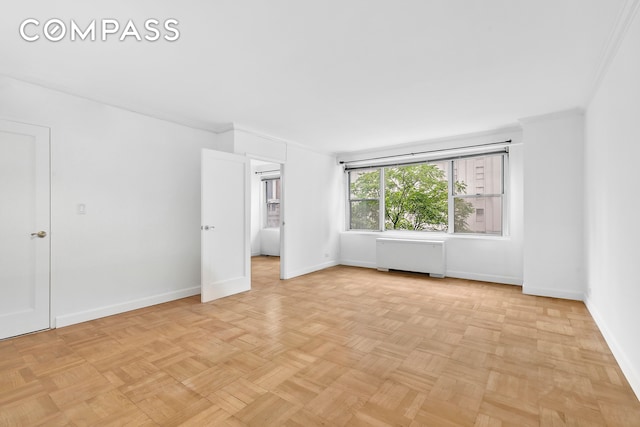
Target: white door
(24,228)
(226,227)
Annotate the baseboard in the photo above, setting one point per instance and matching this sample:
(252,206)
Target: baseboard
(307,270)
(629,371)
(356,263)
(110,310)
(553,293)
(505,280)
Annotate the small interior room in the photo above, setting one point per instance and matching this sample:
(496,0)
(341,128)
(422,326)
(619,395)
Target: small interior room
(266,197)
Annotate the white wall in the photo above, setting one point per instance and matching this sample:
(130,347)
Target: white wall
(259,146)
(139,242)
(311,199)
(270,241)
(312,194)
(611,226)
(553,205)
(256,212)
(495,259)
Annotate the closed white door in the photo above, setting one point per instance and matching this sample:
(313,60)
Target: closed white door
(225,228)
(24,228)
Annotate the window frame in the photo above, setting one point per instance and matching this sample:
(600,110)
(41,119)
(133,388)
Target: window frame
(265,204)
(349,200)
(504,198)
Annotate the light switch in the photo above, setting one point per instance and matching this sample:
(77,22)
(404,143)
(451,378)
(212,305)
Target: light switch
(82,209)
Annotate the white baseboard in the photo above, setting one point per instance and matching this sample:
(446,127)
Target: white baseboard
(553,293)
(629,371)
(356,263)
(505,280)
(307,270)
(97,313)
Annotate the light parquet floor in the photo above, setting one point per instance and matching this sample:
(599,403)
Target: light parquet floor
(344,346)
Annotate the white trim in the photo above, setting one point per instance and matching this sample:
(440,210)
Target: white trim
(629,371)
(553,293)
(110,310)
(356,263)
(211,127)
(577,111)
(480,277)
(610,49)
(312,269)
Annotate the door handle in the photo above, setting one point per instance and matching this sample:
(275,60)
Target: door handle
(40,234)
(207,227)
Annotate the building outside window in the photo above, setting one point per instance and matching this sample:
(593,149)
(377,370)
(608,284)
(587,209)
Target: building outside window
(478,194)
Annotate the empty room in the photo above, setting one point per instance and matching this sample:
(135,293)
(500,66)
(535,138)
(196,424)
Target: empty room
(331,213)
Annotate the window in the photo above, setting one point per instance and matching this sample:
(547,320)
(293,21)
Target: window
(416,197)
(478,195)
(364,200)
(463,195)
(272,198)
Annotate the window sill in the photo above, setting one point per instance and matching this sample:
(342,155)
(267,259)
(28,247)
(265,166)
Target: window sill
(424,235)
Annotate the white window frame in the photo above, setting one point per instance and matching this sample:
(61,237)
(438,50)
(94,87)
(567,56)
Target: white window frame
(452,197)
(379,199)
(505,199)
(265,201)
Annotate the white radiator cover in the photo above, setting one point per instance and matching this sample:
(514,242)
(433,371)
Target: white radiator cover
(421,256)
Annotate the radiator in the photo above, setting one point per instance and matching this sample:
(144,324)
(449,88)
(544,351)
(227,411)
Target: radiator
(421,256)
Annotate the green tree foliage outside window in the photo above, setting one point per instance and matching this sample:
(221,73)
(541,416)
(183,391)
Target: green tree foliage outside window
(462,210)
(416,198)
(364,200)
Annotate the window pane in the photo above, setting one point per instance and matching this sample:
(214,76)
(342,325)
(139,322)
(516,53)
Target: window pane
(273,189)
(272,195)
(478,215)
(416,197)
(478,175)
(273,215)
(365,215)
(364,184)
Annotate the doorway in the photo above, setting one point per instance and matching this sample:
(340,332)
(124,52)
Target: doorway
(266,221)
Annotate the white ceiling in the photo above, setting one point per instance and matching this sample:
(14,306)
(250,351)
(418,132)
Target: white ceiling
(334,75)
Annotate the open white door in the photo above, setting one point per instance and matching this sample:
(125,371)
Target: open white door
(24,228)
(226,226)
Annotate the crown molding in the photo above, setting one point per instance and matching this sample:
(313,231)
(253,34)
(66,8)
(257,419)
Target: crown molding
(616,36)
(157,115)
(577,111)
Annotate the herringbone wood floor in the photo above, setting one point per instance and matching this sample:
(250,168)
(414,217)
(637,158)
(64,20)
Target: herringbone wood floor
(344,346)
